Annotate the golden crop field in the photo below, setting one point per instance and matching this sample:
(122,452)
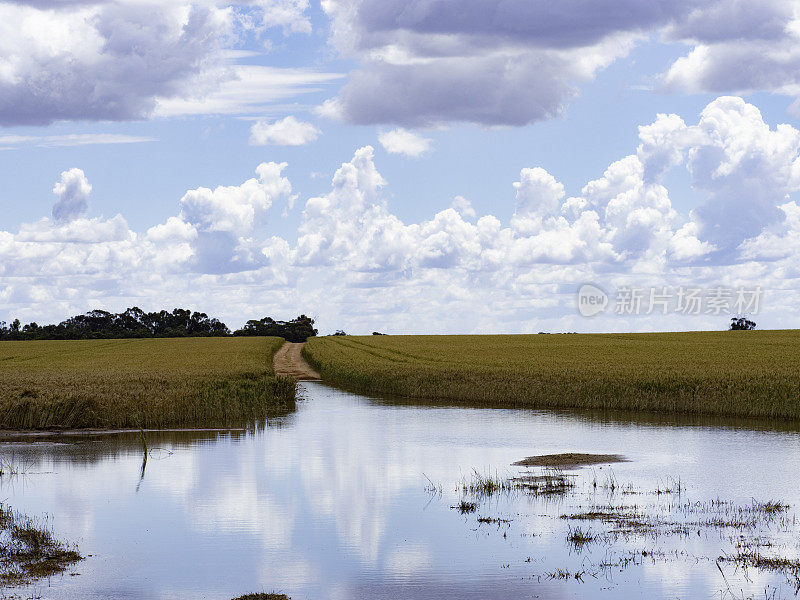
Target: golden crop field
(147,383)
(735,373)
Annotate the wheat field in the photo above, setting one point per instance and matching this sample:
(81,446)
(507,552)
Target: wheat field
(140,383)
(728,373)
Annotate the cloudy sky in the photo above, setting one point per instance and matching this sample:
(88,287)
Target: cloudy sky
(403,165)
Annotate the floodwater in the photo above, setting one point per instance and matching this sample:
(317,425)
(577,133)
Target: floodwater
(341,500)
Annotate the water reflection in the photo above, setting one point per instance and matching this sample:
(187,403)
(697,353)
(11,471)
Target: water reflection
(331,503)
(618,417)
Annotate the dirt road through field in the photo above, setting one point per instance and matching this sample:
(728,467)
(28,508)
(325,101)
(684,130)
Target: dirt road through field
(289,361)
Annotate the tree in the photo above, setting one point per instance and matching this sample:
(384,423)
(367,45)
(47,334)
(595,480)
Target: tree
(136,323)
(296,330)
(742,324)
(133,323)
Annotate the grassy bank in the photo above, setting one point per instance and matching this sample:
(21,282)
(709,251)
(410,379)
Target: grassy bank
(148,383)
(729,373)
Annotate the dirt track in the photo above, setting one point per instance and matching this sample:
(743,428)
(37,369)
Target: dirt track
(288,361)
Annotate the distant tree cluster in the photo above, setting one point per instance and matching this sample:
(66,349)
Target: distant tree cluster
(135,323)
(742,324)
(296,330)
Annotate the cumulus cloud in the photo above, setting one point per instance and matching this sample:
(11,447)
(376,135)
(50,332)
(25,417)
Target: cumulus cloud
(356,261)
(97,60)
(727,35)
(516,62)
(104,62)
(464,207)
(742,169)
(509,63)
(539,197)
(402,141)
(417,63)
(284,132)
(73,191)
(738,47)
(290,15)
(223,220)
(500,86)
(745,170)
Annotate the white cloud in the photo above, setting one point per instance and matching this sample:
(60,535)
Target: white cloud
(464,207)
(224,219)
(235,208)
(516,62)
(539,197)
(289,14)
(250,89)
(97,60)
(73,193)
(72,139)
(744,170)
(403,141)
(104,61)
(727,34)
(355,260)
(285,132)
(417,64)
(503,85)
(510,63)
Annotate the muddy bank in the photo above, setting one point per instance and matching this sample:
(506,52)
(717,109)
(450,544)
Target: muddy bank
(29,551)
(569,460)
(263,597)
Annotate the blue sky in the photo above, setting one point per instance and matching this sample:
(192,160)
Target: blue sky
(445,171)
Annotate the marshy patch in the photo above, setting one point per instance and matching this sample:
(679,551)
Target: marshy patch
(28,550)
(465,507)
(569,460)
(578,537)
(263,596)
(623,520)
(553,483)
(495,520)
(482,486)
(612,526)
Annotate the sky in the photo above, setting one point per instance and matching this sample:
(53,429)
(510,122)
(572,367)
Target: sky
(403,166)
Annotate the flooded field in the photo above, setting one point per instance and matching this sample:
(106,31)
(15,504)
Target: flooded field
(350,497)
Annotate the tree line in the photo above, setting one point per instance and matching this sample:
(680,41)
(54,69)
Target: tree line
(136,323)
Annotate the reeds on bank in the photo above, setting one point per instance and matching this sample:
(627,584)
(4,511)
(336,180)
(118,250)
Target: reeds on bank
(726,373)
(140,383)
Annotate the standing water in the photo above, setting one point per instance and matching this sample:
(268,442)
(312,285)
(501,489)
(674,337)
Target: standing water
(356,498)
